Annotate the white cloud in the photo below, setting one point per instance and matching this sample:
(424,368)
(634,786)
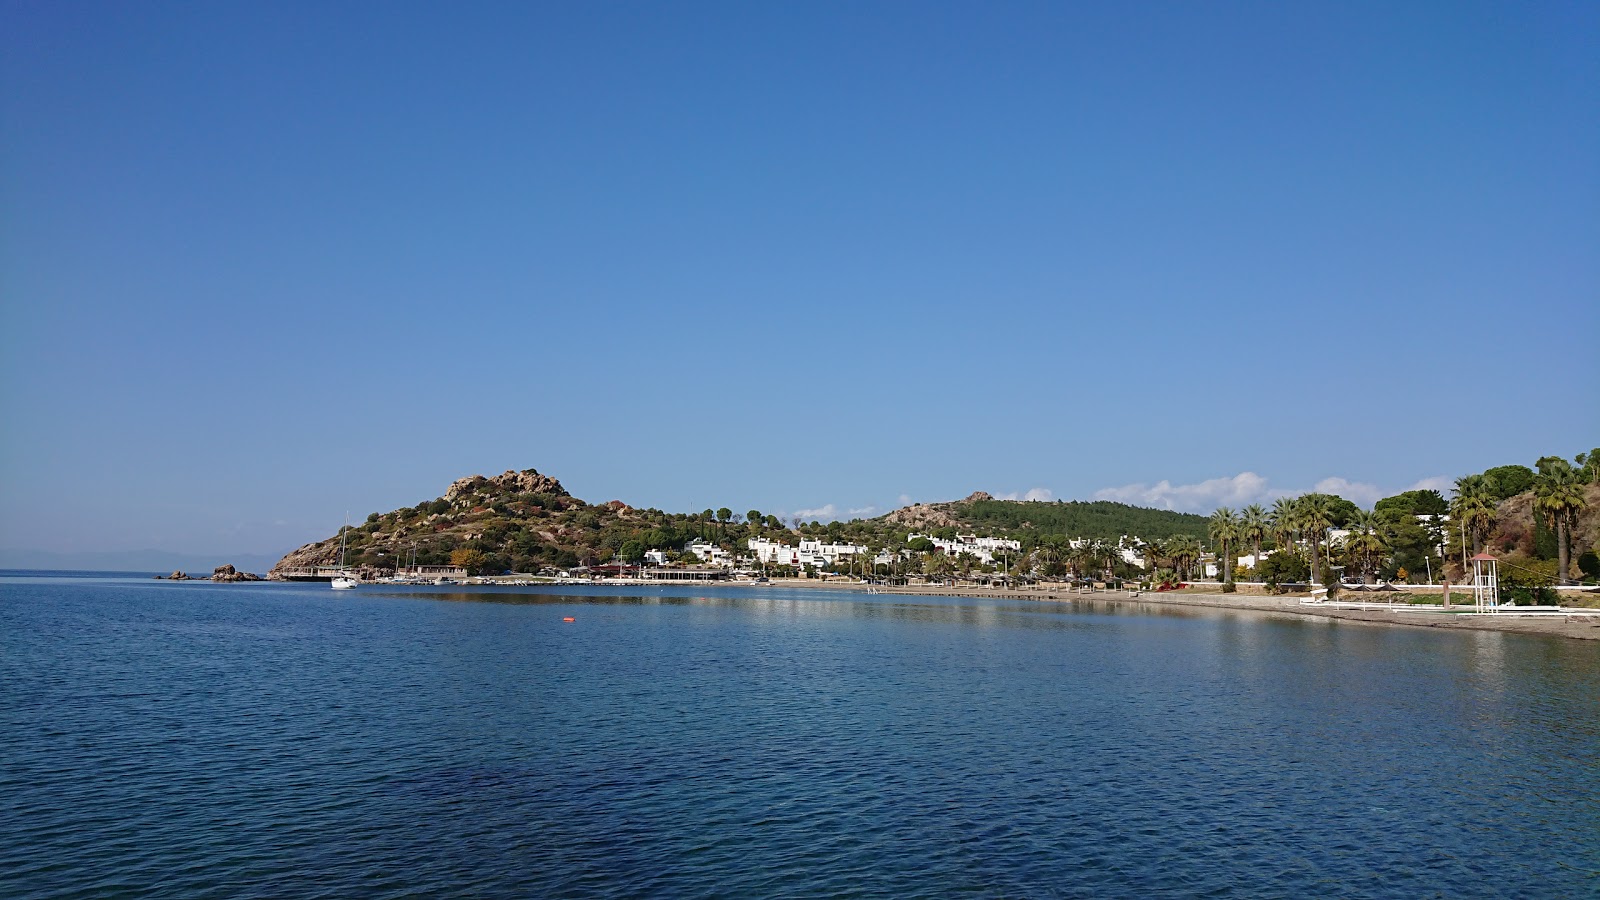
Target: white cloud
(1240,490)
(1036,494)
(1248,487)
(1440,483)
(1358,492)
(825,513)
(905,499)
(864,512)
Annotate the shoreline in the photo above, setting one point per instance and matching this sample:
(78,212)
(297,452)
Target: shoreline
(1580,625)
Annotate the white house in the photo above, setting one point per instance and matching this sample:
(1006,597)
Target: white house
(712,554)
(774,553)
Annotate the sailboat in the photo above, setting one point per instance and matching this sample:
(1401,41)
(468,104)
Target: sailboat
(344,581)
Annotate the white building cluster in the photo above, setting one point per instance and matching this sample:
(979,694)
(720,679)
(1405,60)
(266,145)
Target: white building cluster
(984,548)
(817,554)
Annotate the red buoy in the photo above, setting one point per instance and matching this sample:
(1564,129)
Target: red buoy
(568,619)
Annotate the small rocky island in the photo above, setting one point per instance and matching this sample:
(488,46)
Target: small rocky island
(220,573)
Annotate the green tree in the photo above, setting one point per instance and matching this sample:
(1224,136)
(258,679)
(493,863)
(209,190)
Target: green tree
(1184,551)
(1413,503)
(1254,526)
(1225,532)
(1590,462)
(1283,523)
(1558,496)
(1315,512)
(1472,508)
(1284,567)
(1505,482)
(1366,543)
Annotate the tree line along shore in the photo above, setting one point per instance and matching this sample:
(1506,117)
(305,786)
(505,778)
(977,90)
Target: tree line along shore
(1543,522)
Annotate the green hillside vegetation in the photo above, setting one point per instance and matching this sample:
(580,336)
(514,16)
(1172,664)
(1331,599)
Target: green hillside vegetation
(1097,519)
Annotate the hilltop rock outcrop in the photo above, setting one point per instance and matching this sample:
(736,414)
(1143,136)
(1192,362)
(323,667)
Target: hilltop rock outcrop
(528,481)
(922,516)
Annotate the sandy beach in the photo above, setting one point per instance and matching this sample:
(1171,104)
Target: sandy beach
(1580,624)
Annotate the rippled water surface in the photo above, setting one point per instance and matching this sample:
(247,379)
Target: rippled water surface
(200,740)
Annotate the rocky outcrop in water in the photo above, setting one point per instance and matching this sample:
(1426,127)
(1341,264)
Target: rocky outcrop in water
(229,573)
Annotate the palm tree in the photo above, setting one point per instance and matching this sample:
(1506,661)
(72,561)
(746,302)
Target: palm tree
(1078,558)
(1367,540)
(1184,550)
(1314,513)
(1048,553)
(1254,526)
(1591,466)
(1225,530)
(1283,522)
(1558,494)
(1473,509)
(1106,555)
(1154,552)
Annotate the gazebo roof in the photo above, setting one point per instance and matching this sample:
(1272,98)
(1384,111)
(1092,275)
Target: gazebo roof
(1484,557)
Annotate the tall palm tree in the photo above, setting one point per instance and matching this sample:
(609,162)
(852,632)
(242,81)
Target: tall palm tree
(1314,512)
(1225,531)
(1366,542)
(1283,522)
(1473,509)
(1558,495)
(1254,526)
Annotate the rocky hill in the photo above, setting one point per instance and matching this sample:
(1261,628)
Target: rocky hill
(526,521)
(1522,537)
(524,517)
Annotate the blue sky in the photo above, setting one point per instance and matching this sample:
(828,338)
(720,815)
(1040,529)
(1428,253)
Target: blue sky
(265,263)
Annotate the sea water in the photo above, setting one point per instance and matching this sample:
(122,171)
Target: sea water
(265,740)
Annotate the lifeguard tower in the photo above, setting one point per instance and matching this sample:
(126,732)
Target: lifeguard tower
(1486,583)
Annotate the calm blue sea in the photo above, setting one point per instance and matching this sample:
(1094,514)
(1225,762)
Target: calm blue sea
(264,740)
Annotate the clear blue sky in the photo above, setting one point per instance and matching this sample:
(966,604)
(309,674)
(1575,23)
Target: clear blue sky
(264,263)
